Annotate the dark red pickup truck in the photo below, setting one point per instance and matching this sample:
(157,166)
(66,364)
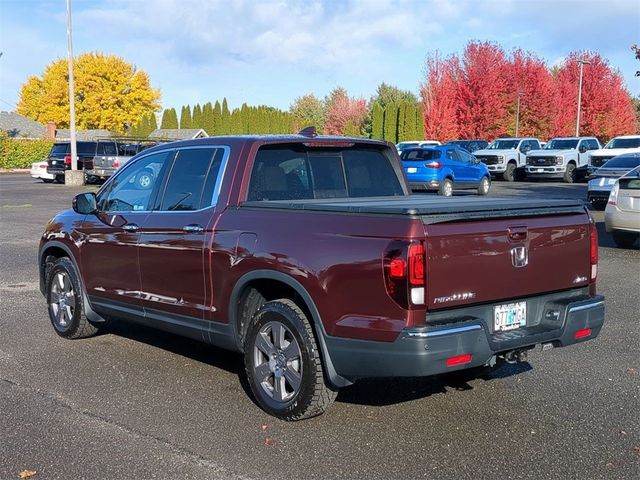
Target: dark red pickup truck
(309,255)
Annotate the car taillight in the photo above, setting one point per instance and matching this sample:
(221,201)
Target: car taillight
(116,163)
(613,196)
(404,273)
(593,250)
(67,159)
(43,165)
(433,164)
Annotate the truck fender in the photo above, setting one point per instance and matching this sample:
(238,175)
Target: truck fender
(333,377)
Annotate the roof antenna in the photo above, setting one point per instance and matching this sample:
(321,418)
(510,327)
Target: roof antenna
(308,132)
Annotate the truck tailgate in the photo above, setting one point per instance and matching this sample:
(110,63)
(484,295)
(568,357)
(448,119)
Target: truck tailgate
(505,258)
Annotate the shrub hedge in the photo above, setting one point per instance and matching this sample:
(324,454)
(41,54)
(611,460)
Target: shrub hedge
(21,153)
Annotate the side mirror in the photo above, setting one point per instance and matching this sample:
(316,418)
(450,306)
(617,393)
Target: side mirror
(84,203)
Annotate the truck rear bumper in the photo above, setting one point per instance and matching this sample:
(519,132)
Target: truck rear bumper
(470,343)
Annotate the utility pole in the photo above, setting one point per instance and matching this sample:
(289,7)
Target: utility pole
(582,64)
(73,178)
(518,116)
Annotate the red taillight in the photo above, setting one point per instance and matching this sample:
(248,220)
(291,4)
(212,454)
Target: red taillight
(404,273)
(586,332)
(67,159)
(397,268)
(416,264)
(116,163)
(433,164)
(43,166)
(459,360)
(593,250)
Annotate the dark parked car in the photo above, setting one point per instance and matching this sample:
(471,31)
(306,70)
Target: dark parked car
(602,180)
(469,145)
(308,255)
(59,159)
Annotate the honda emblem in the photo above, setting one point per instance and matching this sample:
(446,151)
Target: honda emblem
(519,256)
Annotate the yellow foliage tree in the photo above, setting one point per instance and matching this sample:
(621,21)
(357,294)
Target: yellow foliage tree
(110,93)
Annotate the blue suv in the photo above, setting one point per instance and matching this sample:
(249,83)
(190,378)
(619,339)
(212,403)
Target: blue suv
(444,169)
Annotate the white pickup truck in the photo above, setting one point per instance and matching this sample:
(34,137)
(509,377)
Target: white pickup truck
(566,158)
(616,146)
(505,157)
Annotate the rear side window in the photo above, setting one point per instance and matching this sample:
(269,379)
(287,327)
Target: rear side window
(299,173)
(106,148)
(193,173)
(59,149)
(87,149)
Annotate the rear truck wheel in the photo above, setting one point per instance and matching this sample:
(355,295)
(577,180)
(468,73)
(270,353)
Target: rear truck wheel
(483,188)
(446,188)
(569,177)
(510,173)
(626,239)
(59,179)
(283,365)
(65,301)
(144,180)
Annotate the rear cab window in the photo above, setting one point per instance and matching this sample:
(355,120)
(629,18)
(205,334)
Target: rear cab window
(298,172)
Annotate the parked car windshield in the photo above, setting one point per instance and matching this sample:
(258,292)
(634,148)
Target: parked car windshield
(623,161)
(503,145)
(421,154)
(562,144)
(624,143)
(296,172)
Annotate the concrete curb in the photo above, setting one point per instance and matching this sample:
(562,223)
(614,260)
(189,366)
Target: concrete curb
(10,171)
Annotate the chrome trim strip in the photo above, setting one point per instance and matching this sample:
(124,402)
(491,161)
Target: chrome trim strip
(438,333)
(585,307)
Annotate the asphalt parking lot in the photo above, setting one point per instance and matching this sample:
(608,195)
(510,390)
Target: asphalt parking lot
(135,403)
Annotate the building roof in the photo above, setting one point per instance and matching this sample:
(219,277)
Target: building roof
(178,133)
(19,126)
(83,135)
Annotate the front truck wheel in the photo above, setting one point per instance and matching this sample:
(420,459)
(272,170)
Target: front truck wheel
(283,363)
(65,301)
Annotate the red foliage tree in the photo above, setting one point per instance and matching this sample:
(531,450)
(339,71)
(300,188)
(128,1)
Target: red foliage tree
(529,79)
(482,91)
(342,110)
(606,109)
(438,98)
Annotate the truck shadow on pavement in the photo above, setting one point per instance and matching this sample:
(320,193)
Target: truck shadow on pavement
(390,391)
(371,392)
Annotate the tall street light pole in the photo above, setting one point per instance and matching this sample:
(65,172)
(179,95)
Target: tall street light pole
(72,106)
(582,64)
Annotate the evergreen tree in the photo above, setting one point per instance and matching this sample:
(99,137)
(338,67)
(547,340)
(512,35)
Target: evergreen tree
(225,117)
(185,117)
(196,121)
(377,121)
(351,129)
(402,122)
(153,123)
(391,123)
(165,119)
(419,131)
(173,119)
(207,118)
(217,119)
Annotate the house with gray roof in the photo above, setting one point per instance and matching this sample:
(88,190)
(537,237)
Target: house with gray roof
(83,135)
(19,126)
(178,133)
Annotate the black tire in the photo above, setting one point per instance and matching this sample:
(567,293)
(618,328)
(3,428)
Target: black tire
(90,179)
(510,173)
(485,185)
(446,188)
(47,180)
(59,179)
(626,239)
(66,308)
(569,176)
(312,396)
(144,179)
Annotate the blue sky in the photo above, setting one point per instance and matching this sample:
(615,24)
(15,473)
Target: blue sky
(272,51)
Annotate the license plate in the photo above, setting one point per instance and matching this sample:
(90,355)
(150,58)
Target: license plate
(540,170)
(412,170)
(509,316)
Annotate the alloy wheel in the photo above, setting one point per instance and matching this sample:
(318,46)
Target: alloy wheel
(62,301)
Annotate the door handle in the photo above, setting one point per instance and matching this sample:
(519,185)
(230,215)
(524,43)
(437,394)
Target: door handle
(130,227)
(193,228)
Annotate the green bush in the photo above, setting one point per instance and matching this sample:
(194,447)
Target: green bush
(21,153)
